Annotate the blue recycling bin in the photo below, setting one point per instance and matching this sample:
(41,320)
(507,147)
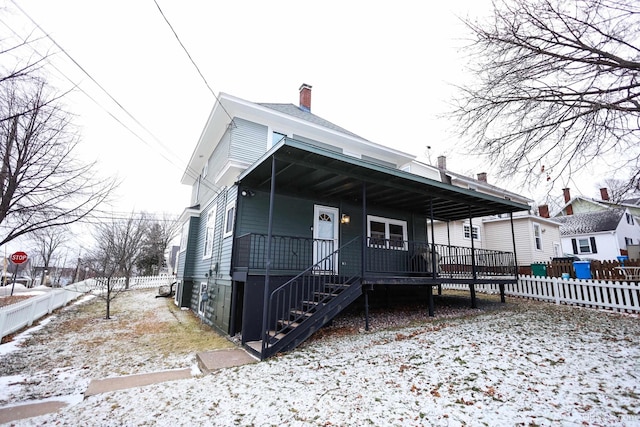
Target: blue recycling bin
(622,259)
(583,269)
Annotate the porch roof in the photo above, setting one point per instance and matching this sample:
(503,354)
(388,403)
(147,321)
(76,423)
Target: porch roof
(303,169)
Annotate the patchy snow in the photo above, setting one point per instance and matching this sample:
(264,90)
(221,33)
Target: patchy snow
(523,363)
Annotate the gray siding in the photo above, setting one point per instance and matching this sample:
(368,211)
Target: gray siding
(248,140)
(204,265)
(186,258)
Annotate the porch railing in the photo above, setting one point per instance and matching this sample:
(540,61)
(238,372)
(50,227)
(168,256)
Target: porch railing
(383,257)
(288,253)
(397,257)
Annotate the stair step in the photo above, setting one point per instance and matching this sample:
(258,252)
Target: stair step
(277,335)
(288,324)
(312,304)
(325,294)
(301,313)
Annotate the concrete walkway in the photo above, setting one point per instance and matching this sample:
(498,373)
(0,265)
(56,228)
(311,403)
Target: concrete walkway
(208,362)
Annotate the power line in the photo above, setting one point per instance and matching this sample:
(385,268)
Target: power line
(189,171)
(191,59)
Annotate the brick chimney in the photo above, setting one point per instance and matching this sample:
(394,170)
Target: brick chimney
(442,162)
(482,176)
(543,211)
(567,195)
(305,97)
(604,194)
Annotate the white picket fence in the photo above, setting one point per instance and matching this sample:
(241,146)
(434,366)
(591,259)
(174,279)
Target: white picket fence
(609,295)
(16,316)
(140,282)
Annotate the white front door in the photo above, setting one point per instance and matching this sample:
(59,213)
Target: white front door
(325,235)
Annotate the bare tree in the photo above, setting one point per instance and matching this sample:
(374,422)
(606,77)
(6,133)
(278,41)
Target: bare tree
(618,190)
(118,247)
(48,241)
(556,86)
(41,183)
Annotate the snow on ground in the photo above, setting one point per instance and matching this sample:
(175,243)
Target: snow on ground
(524,363)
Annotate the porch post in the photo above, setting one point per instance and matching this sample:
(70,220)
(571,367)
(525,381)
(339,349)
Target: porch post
(363,255)
(472,285)
(434,267)
(265,301)
(515,255)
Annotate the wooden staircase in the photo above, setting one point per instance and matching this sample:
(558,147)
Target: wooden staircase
(303,305)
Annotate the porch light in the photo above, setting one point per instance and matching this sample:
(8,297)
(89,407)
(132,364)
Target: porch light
(345,219)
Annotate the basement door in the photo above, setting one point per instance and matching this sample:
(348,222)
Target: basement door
(325,239)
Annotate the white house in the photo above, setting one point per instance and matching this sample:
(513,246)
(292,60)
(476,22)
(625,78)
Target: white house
(599,229)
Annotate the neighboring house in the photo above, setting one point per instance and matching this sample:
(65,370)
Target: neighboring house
(582,204)
(537,236)
(293,218)
(599,229)
(602,235)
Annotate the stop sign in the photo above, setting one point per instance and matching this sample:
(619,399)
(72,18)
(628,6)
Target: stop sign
(18,257)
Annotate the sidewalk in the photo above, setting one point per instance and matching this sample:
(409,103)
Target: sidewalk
(208,362)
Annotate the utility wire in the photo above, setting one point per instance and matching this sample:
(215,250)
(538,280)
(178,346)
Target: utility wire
(189,171)
(192,61)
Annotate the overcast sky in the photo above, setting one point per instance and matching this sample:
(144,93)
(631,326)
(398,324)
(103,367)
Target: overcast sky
(382,70)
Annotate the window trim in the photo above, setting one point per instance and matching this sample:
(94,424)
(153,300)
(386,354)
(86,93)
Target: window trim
(537,237)
(184,236)
(228,231)
(387,222)
(466,226)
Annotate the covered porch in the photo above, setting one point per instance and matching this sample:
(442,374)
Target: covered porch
(384,237)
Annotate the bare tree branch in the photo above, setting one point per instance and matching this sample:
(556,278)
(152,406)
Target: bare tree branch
(557,86)
(41,183)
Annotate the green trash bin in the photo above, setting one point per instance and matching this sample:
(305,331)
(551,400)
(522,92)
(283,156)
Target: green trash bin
(539,270)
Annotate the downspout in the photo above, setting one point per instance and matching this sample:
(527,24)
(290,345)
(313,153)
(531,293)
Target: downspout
(215,266)
(265,301)
(234,288)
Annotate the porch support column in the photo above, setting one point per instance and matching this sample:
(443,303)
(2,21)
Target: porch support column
(434,267)
(363,255)
(472,285)
(515,257)
(265,301)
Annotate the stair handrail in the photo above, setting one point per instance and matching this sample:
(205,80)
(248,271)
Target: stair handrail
(306,272)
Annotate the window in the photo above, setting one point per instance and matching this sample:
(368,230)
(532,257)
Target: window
(629,218)
(229,218)
(184,236)
(537,235)
(476,232)
(208,237)
(387,233)
(584,245)
(628,241)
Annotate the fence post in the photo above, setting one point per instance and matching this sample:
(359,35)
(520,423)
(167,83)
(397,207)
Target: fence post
(556,290)
(3,322)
